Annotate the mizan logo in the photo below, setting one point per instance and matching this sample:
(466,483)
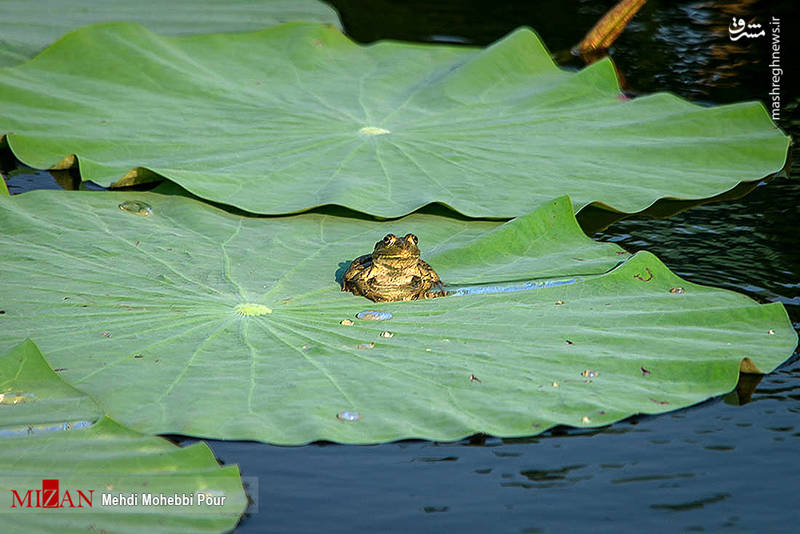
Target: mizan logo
(50,497)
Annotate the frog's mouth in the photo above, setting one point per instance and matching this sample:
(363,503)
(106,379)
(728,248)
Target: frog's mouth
(396,261)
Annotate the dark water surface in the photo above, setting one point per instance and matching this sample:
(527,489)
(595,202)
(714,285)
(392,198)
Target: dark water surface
(728,464)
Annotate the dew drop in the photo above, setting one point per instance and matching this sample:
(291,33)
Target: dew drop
(386,333)
(559,302)
(677,291)
(365,346)
(249,309)
(346,322)
(589,373)
(555,384)
(348,416)
(586,420)
(374,316)
(771,332)
(137,207)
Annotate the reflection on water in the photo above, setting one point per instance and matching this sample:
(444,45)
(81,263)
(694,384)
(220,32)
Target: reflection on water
(549,478)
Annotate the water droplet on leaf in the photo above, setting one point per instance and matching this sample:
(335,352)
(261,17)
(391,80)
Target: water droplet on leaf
(348,416)
(589,373)
(374,316)
(386,333)
(677,291)
(346,322)
(369,345)
(137,207)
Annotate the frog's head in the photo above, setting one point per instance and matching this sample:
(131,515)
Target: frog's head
(396,252)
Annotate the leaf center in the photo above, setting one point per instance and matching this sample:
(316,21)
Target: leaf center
(248,309)
(373,130)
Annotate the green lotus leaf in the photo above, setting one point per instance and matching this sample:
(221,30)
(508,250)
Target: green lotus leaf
(182,318)
(50,430)
(30,25)
(298,116)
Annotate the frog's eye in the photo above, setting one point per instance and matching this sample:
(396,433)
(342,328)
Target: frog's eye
(390,238)
(411,238)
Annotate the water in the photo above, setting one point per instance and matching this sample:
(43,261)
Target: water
(348,416)
(505,288)
(730,463)
(374,315)
(137,207)
(29,430)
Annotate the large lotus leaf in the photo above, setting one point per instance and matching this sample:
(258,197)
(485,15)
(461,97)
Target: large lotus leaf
(298,116)
(30,25)
(48,431)
(182,318)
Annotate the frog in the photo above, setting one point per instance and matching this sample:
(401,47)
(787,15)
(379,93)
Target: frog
(393,271)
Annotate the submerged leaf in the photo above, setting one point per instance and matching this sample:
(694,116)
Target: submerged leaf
(30,25)
(146,314)
(298,116)
(55,435)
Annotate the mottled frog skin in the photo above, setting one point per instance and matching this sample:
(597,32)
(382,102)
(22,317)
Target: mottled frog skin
(393,271)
